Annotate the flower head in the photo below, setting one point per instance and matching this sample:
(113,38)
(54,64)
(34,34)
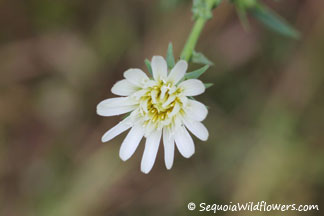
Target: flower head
(159,108)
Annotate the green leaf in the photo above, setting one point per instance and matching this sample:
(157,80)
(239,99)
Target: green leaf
(208,85)
(197,73)
(170,57)
(126,115)
(241,12)
(274,21)
(148,65)
(200,58)
(192,98)
(216,3)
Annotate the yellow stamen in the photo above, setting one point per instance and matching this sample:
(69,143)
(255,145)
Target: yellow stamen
(155,118)
(162,116)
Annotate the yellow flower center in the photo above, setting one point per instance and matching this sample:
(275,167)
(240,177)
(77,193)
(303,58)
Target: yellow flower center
(160,101)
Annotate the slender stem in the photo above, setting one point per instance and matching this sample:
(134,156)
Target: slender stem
(193,38)
(195,33)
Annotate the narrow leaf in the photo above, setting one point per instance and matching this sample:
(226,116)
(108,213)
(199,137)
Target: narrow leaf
(192,98)
(208,85)
(274,21)
(197,73)
(148,65)
(241,12)
(126,115)
(200,59)
(170,57)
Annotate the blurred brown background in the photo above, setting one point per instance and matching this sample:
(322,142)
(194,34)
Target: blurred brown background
(58,59)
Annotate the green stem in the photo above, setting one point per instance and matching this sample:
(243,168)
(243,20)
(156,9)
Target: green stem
(193,38)
(195,33)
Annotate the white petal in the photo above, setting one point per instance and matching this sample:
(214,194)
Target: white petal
(196,110)
(184,142)
(170,100)
(115,106)
(177,123)
(123,88)
(192,87)
(131,142)
(139,94)
(136,77)
(168,142)
(136,117)
(150,151)
(149,83)
(178,71)
(164,89)
(154,94)
(149,129)
(159,68)
(197,128)
(184,100)
(175,110)
(115,110)
(116,130)
(172,90)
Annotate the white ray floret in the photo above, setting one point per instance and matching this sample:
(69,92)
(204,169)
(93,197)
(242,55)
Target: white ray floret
(159,110)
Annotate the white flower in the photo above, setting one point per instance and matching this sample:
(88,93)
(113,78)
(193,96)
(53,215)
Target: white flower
(159,108)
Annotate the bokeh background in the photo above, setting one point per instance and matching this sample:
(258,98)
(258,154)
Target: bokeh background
(59,59)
